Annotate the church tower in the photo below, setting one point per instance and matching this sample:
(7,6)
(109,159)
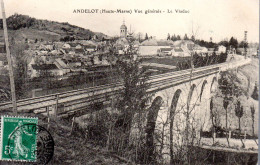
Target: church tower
(123,30)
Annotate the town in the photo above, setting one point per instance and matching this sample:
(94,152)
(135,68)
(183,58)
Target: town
(60,61)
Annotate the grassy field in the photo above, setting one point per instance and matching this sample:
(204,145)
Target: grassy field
(31,34)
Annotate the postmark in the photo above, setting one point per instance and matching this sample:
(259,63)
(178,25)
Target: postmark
(45,146)
(18,139)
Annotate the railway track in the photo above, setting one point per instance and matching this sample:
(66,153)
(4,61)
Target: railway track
(77,99)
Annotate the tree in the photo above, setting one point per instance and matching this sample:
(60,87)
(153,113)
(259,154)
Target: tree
(20,68)
(168,37)
(243,44)
(173,38)
(228,86)
(132,100)
(233,42)
(224,43)
(239,111)
(146,36)
(192,38)
(135,86)
(230,91)
(139,36)
(225,105)
(178,37)
(185,37)
(222,57)
(181,65)
(211,44)
(255,92)
(197,60)
(74,80)
(252,108)
(212,116)
(46,77)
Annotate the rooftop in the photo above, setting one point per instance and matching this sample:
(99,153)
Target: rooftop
(123,26)
(154,42)
(166,49)
(178,49)
(44,67)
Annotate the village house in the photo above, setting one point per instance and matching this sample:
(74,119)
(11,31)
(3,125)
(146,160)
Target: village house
(50,46)
(165,51)
(68,46)
(79,51)
(97,60)
(30,70)
(63,52)
(188,44)
(87,42)
(47,59)
(46,47)
(199,49)
(121,45)
(90,48)
(73,48)
(95,38)
(62,65)
(221,49)
(56,52)
(211,50)
(74,64)
(58,45)
(78,46)
(71,53)
(250,51)
(41,69)
(151,46)
(179,52)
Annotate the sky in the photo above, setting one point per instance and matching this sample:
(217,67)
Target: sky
(219,19)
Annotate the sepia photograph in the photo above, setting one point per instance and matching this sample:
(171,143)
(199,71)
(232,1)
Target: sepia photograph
(112,82)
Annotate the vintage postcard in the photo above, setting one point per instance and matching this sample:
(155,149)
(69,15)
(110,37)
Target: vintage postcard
(129,82)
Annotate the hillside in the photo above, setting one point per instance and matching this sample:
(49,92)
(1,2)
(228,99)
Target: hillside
(23,26)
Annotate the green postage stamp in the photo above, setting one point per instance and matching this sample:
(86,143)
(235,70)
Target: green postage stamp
(18,138)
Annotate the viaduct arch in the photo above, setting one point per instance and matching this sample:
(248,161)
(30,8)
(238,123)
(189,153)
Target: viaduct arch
(167,114)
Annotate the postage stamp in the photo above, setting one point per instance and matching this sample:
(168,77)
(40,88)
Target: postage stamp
(18,139)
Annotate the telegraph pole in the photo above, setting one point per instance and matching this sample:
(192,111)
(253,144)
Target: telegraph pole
(10,66)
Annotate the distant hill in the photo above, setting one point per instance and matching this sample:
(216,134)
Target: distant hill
(23,26)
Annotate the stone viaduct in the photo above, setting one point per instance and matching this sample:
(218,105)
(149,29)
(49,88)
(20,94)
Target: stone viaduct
(180,103)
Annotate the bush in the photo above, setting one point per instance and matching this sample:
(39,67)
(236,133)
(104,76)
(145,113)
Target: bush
(97,132)
(255,93)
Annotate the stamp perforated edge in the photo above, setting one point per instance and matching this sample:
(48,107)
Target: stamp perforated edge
(14,160)
(1,135)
